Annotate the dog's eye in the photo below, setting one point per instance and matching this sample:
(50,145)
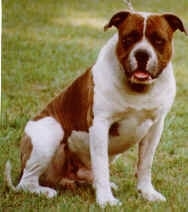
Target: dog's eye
(130,39)
(157,40)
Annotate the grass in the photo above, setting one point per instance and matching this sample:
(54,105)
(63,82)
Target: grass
(45,45)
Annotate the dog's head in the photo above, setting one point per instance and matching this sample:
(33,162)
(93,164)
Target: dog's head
(144,46)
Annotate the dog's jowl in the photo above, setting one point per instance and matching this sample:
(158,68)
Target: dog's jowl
(120,101)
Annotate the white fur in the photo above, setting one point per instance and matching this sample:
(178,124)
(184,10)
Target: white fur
(7,175)
(45,135)
(145,15)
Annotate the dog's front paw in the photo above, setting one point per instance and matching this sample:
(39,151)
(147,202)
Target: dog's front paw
(149,193)
(105,199)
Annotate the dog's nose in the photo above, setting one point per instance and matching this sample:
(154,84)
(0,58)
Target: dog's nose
(142,58)
(141,55)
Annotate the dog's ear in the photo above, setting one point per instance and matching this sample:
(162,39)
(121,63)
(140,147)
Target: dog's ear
(175,22)
(117,19)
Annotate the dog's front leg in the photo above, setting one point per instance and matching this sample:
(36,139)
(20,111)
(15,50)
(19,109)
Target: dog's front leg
(147,149)
(99,159)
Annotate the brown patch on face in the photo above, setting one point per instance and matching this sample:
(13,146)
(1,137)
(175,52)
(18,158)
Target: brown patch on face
(26,148)
(73,107)
(130,33)
(159,33)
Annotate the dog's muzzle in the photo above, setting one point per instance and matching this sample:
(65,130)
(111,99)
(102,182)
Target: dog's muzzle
(142,66)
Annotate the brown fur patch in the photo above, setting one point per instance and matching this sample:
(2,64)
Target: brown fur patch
(160,33)
(26,148)
(73,107)
(130,32)
(114,129)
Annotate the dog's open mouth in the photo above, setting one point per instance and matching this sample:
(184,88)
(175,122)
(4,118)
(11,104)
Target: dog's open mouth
(141,77)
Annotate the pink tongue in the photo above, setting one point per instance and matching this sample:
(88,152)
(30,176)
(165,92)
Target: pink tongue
(141,75)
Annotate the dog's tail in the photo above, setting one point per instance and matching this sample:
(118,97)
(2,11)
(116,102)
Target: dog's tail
(8,178)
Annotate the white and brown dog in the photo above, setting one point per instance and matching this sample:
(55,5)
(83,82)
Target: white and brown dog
(122,100)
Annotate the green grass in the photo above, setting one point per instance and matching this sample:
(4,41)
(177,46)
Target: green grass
(45,45)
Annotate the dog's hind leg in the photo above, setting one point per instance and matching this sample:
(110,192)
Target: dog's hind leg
(45,136)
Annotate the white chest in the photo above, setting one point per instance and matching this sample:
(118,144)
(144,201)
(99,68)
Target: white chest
(122,134)
(132,129)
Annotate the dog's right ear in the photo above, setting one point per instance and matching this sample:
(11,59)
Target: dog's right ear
(117,19)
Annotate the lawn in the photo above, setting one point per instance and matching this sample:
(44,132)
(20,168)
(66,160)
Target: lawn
(45,45)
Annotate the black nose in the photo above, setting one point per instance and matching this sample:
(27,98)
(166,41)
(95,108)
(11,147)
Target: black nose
(142,57)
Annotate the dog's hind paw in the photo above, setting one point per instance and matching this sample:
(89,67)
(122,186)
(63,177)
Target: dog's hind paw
(48,192)
(37,189)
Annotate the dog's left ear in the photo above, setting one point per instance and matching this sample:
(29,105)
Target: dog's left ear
(175,23)
(117,19)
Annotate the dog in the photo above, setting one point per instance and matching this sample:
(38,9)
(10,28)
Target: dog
(120,101)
